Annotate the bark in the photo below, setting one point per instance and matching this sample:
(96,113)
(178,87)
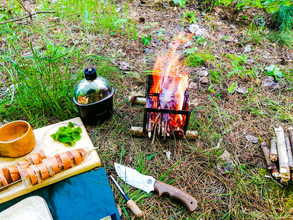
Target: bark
(271,166)
(283,155)
(274,152)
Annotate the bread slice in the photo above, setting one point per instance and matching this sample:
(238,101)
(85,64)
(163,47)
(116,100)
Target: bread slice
(37,172)
(60,163)
(77,156)
(49,166)
(83,153)
(54,164)
(7,175)
(32,175)
(69,154)
(24,164)
(34,158)
(25,177)
(65,160)
(1,184)
(42,154)
(44,171)
(3,179)
(14,173)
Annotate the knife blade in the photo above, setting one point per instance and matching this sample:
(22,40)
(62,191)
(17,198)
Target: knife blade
(149,183)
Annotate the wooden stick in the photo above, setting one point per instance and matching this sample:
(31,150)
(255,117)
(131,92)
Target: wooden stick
(274,152)
(88,151)
(291,137)
(30,14)
(191,135)
(283,155)
(289,151)
(27,16)
(271,166)
(135,100)
(137,131)
(154,133)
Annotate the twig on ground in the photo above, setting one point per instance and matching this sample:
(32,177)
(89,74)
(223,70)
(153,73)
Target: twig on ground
(270,177)
(18,19)
(30,14)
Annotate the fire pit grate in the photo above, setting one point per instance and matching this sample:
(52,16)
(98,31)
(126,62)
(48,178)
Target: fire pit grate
(166,122)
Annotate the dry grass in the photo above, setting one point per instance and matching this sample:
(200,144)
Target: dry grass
(222,119)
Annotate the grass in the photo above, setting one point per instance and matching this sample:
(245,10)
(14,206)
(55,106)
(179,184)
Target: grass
(55,48)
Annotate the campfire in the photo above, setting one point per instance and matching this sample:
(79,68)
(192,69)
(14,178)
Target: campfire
(167,108)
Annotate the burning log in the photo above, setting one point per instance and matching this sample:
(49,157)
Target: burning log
(283,155)
(274,152)
(136,100)
(271,166)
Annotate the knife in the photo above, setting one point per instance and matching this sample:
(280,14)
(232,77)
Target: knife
(149,183)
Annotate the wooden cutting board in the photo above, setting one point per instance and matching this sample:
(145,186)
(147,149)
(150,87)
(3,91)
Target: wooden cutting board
(51,147)
(31,208)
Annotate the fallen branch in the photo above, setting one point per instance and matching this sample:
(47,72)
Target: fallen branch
(283,155)
(289,151)
(291,137)
(30,14)
(271,166)
(27,16)
(274,152)
(136,100)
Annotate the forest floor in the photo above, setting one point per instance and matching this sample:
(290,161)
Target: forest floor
(235,105)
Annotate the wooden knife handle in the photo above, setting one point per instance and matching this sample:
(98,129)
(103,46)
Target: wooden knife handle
(134,208)
(177,194)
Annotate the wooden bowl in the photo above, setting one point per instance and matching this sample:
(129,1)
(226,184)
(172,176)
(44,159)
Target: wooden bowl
(16,139)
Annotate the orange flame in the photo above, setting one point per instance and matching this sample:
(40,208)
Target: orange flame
(169,81)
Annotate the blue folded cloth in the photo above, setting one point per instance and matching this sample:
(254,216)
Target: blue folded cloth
(87,196)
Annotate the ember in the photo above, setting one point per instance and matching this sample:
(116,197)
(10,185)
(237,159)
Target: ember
(167,110)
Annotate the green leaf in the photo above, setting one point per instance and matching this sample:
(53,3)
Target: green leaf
(146,40)
(275,71)
(270,68)
(77,129)
(70,124)
(76,135)
(278,73)
(231,89)
(54,137)
(68,130)
(231,56)
(67,135)
(134,33)
(62,129)
(70,143)
(65,139)
(182,3)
